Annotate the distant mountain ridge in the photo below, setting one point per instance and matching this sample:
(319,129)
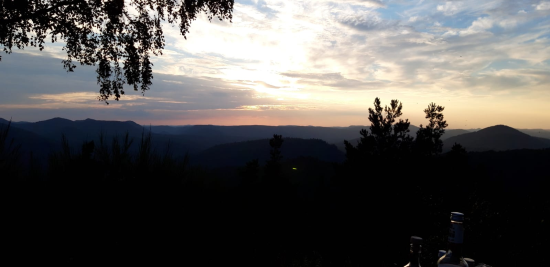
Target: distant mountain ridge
(254,132)
(183,140)
(195,139)
(537,132)
(497,138)
(28,141)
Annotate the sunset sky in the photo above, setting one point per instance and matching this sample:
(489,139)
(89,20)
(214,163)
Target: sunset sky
(317,62)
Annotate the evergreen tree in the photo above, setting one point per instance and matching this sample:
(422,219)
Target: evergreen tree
(428,139)
(388,138)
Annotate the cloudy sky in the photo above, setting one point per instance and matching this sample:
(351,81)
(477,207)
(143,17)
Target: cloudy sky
(318,62)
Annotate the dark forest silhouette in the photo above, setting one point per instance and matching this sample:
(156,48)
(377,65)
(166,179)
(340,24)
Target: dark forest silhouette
(119,200)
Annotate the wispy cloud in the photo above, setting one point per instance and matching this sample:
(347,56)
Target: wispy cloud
(544,5)
(450,8)
(289,56)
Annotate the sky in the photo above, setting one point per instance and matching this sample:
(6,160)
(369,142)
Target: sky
(317,62)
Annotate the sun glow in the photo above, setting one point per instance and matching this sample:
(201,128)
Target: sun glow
(325,62)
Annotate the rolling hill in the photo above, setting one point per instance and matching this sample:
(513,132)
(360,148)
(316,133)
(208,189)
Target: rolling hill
(537,132)
(453,132)
(254,132)
(497,138)
(76,132)
(29,141)
(92,128)
(196,139)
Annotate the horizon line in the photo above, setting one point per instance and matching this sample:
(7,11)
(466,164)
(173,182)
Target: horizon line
(286,125)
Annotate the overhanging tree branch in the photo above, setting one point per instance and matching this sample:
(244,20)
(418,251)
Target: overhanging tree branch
(39,12)
(95,34)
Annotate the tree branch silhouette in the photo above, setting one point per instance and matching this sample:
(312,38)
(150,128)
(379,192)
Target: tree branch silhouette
(104,33)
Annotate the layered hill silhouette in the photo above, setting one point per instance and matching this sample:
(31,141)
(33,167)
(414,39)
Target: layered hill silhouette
(57,126)
(253,132)
(537,132)
(453,132)
(79,131)
(28,141)
(45,136)
(332,135)
(497,138)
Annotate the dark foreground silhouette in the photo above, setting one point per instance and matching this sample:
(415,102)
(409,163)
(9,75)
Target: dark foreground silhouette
(115,201)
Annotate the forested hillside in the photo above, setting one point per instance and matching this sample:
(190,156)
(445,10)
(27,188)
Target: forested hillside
(272,202)
(499,137)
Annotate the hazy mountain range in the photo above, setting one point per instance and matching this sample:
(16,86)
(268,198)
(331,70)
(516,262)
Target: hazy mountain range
(206,142)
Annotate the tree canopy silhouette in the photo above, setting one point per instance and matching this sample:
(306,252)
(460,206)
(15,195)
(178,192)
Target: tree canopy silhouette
(387,137)
(428,139)
(104,33)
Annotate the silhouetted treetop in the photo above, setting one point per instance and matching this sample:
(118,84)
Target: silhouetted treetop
(428,139)
(389,137)
(117,36)
(386,136)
